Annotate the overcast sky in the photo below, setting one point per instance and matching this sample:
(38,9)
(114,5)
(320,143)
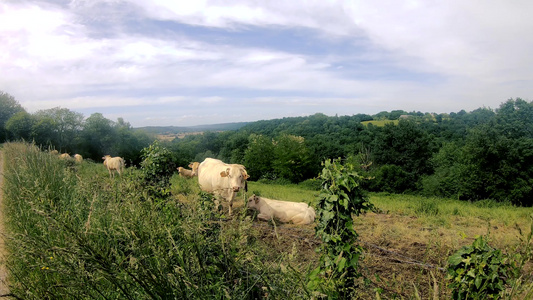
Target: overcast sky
(191,62)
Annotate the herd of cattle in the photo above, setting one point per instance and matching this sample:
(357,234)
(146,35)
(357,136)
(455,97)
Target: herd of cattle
(225,181)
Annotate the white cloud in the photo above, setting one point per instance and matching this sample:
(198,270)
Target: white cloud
(412,55)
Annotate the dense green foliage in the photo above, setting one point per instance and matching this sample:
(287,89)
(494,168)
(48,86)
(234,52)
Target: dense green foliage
(478,271)
(340,199)
(157,168)
(9,107)
(483,154)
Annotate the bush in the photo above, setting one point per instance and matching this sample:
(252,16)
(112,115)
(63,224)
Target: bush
(479,271)
(157,168)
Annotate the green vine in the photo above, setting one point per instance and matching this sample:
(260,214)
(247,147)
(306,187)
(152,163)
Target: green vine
(341,198)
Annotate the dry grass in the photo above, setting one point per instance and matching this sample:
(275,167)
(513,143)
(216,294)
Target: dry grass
(405,247)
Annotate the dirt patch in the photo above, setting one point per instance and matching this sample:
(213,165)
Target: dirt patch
(3,272)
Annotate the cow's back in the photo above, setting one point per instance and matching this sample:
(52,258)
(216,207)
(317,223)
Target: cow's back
(209,174)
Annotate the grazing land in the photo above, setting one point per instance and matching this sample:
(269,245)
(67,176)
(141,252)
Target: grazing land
(74,232)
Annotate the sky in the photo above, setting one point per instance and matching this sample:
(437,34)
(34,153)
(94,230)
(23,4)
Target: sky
(186,63)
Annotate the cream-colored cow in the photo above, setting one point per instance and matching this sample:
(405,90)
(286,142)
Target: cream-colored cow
(114,164)
(221,179)
(284,211)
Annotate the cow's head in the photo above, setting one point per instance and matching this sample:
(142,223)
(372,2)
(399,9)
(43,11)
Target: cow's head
(194,167)
(237,176)
(253,201)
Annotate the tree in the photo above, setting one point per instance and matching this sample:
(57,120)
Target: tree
(44,132)
(8,107)
(292,158)
(20,126)
(258,157)
(98,137)
(404,145)
(129,143)
(67,126)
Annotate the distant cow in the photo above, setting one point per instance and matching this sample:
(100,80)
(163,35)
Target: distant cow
(64,156)
(114,164)
(221,179)
(189,173)
(285,211)
(78,158)
(185,172)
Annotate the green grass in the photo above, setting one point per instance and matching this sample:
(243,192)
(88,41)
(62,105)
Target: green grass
(75,233)
(380,123)
(290,192)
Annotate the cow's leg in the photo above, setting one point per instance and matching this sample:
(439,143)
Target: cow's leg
(264,217)
(217,203)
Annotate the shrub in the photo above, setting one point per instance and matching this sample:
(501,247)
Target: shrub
(478,271)
(157,168)
(341,197)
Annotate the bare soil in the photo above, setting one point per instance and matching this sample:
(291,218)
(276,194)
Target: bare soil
(3,272)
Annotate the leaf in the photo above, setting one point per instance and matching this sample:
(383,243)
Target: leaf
(471,273)
(342,263)
(456,258)
(478,281)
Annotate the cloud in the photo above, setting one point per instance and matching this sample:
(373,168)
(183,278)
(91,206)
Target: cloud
(237,57)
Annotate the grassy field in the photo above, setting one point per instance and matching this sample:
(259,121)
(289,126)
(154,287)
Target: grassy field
(409,238)
(380,123)
(75,233)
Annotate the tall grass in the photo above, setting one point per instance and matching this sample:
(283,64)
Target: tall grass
(75,233)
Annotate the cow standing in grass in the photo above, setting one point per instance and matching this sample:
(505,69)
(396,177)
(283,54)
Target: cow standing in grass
(221,179)
(114,164)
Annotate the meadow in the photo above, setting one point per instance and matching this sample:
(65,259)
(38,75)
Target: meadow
(76,233)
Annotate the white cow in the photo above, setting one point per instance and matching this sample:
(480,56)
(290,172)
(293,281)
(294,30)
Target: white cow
(285,211)
(185,172)
(64,156)
(114,163)
(221,179)
(78,158)
(189,173)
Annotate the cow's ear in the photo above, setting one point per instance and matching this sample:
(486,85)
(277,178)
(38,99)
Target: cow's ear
(256,199)
(225,173)
(245,175)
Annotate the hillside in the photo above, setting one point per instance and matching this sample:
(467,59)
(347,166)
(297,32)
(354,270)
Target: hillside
(174,130)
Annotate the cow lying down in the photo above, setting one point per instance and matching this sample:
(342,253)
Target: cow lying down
(284,211)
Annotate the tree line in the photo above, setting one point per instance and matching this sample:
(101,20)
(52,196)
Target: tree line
(483,154)
(70,132)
